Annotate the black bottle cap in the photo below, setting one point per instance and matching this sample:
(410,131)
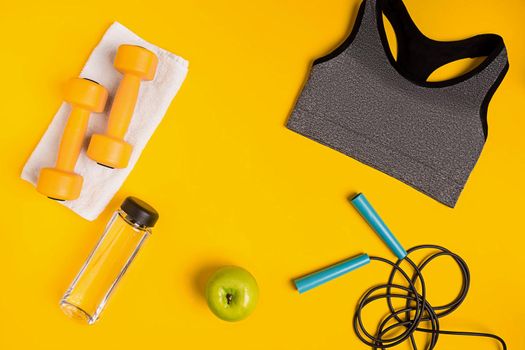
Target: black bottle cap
(139,212)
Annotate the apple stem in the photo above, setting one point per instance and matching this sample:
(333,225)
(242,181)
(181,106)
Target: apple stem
(229,298)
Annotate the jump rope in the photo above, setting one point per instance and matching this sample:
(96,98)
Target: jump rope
(416,314)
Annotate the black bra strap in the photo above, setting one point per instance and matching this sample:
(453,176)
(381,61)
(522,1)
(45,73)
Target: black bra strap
(419,55)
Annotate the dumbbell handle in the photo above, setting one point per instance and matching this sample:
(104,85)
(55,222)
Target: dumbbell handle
(318,278)
(370,215)
(72,139)
(123,106)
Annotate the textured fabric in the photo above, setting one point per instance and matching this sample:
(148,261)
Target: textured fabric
(361,102)
(155,96)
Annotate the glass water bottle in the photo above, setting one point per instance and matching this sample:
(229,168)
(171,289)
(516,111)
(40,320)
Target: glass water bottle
(123,237)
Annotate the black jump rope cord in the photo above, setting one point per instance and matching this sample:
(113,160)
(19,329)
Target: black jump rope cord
(416,310)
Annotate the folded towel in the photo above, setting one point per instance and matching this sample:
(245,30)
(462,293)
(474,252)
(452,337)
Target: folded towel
(100,183)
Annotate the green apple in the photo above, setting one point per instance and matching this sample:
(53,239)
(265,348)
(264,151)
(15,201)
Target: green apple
(232,293)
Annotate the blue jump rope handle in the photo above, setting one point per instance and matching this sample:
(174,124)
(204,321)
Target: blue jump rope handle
(315,279)
(367,211)
(362,205)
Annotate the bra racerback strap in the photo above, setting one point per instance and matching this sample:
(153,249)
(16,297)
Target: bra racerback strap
(419,55)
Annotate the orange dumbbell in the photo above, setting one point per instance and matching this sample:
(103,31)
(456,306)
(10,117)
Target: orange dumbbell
(61,182)
(110,149)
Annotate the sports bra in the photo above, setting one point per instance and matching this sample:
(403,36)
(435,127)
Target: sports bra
(384,113)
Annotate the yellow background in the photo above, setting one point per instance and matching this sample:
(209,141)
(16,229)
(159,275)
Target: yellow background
(234,186)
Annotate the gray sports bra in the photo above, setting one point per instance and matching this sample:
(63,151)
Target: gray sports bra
(360,101)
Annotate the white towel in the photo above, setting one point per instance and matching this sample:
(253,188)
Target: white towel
(100,183)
